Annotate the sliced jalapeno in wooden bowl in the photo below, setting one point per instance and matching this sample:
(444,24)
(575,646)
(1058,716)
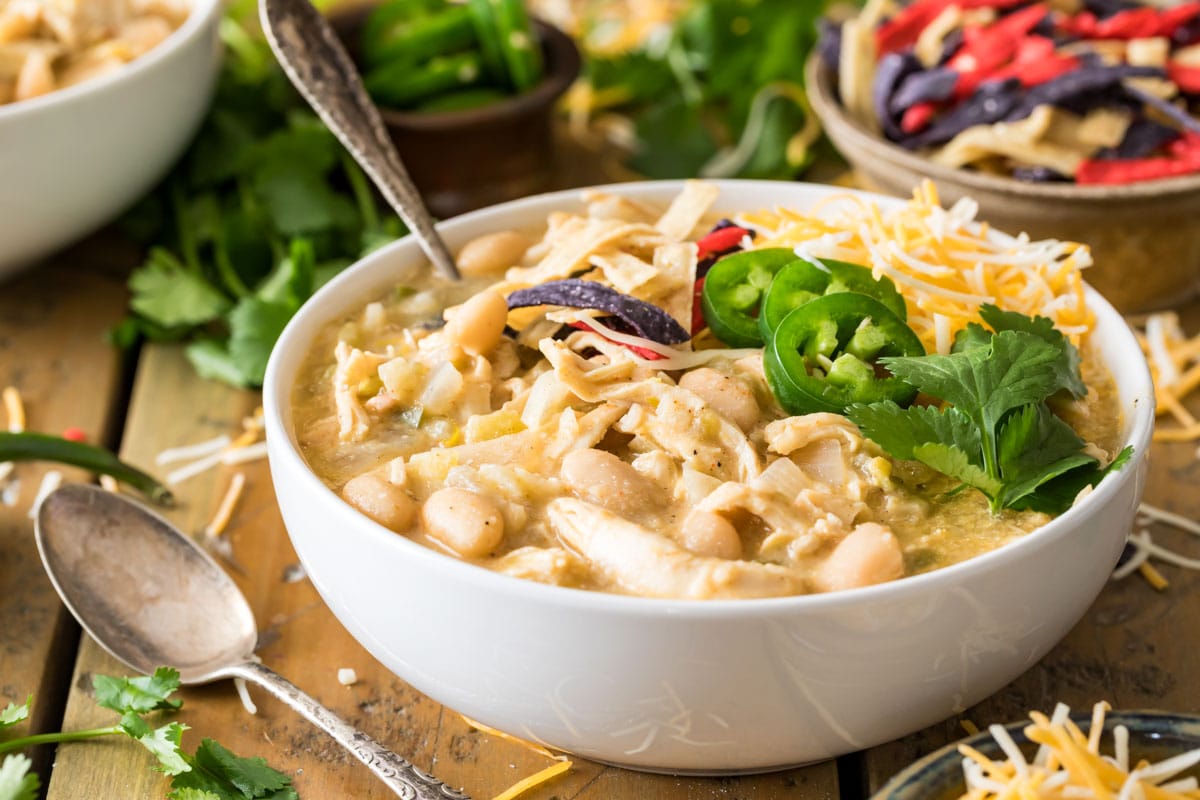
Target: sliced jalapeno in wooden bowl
(823,355)
(801,281)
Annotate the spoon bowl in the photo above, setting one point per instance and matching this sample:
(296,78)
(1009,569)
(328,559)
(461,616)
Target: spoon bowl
(150,596)
(146,594)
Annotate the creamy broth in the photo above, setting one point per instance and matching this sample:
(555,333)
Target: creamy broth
(555,455)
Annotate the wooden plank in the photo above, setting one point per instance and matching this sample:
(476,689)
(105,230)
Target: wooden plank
(53,350)
(301,639)
(1134,647)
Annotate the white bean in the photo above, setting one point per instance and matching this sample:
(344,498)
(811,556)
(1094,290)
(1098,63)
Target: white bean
(726,395)
(868,555)
(477,325)
(707,533)
(466,522)
(492,253)
(606,480)
(387,504)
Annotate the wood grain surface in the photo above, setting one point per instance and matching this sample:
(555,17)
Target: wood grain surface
(53,351)
(1133,647)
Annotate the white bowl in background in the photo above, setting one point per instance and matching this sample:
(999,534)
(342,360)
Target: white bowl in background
(75,158)
(693,686)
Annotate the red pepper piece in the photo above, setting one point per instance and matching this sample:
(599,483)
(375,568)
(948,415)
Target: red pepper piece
(74,435)
(698,321)
(1133,23)
(917,117)
(1174,18)
(987,48)
(902,30)
(649,355)
(1185,77)
(719,241)
(1183,159)
(1082,24)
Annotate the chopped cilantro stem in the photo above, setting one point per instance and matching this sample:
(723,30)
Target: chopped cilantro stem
(362,192)
(53,738)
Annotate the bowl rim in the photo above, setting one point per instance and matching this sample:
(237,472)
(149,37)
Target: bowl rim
(1136,720)
(198,19)
(282,446)
(841,126)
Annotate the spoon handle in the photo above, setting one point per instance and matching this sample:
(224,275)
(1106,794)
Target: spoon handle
(397,773)
(318,65)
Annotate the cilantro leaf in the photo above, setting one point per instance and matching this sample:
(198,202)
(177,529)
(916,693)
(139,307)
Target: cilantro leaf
(16,781)
(255,326)
(1043,328)
(211,359)
(900,431)
(219,773)
(957,463)
(997,433)
(164,742)
(13,713)
(169,294)
(139,694)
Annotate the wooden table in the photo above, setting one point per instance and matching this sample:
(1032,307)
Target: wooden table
(1134,647)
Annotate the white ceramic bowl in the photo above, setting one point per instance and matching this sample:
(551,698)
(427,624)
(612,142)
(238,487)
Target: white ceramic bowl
(74,159)
(702,686)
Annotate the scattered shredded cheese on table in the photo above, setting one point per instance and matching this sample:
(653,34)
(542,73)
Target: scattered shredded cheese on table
(946,263)
(220,520)
(1174,360)
(14,409)
(538,778)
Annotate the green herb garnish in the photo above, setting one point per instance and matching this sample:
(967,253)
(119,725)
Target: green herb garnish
(263,209)
(212,773)
(995,433)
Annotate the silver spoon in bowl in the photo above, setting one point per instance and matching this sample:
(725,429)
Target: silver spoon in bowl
(318,65)
(151,597)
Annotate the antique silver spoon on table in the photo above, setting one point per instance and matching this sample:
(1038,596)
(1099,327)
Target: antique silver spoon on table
(316,63)
(152,597)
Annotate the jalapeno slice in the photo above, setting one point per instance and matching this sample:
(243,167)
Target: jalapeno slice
(733,291)
(423,34)
(822,356)
(802,281)
(399,84)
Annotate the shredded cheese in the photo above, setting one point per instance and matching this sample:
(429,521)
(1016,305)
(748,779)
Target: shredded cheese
(244,695)
(948,263)
(50,481)
(14,409)
(1174,360)
(220,520)
(1069,764)
(536,779)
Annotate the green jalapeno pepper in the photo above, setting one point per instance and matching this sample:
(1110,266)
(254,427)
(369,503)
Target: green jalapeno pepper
(42,447)
(801,281)
(463,100)
(399,84)
(518,43)
(489,40)
(822,356)
(733,291)
(423,32)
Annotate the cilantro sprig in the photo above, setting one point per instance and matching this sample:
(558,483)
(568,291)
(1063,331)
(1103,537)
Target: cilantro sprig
(264,207)
(994,431)
(211,773)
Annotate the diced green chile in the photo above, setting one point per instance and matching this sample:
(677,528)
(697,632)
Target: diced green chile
(733,292)
(802,281)
(852,331)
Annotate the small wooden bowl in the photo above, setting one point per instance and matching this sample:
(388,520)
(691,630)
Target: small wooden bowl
(463,160)
(1145,237)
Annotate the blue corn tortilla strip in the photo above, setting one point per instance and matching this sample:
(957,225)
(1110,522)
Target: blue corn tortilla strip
(929,85)
(829,43)
(1039,175)
(892,70)
(1142,138)
(1083,82)
(646,320)
(950,45)
(992,101)
(1168,109)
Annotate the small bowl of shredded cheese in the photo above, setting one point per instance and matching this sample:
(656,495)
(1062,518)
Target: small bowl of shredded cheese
(1121,755)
